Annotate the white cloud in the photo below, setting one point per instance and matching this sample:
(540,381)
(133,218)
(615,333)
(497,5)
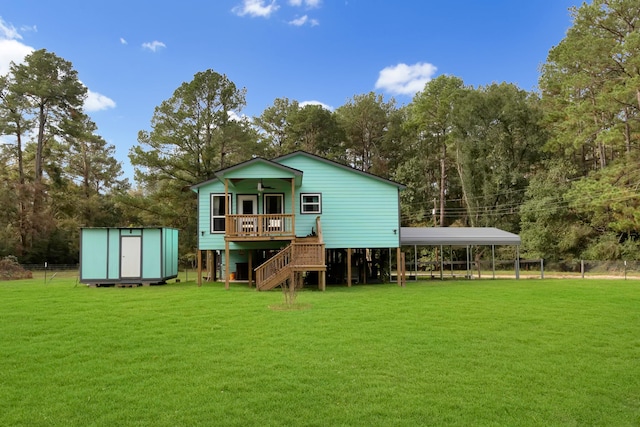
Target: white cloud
(97,102)
(153,46)
(403,79)
(256,8)
(237,117)
(307,3)
(298,22)
(8,31)
(322,104)
(123,41)
(29,28)
(11,49)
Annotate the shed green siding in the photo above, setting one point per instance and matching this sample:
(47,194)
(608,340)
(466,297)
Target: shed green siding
(101,249)
(95,256)
(113,260)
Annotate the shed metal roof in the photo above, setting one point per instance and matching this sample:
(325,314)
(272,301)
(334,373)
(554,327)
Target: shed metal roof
(456,236)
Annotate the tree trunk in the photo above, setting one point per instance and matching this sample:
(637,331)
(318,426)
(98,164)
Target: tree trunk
(443,179)
(465,195)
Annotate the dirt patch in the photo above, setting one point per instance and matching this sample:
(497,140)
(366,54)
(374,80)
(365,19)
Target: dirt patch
(290,307)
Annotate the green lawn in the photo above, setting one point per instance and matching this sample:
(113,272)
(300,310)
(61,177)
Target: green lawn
(503,352)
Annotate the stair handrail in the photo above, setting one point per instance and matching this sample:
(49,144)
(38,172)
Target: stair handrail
(272,266)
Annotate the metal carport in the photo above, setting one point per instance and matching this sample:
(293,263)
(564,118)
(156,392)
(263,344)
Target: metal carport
(460,236)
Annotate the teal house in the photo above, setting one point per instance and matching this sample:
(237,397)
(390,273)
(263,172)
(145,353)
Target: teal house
(266,220)
(110,256)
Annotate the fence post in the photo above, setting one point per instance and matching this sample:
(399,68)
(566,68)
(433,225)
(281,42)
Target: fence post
(542,268)
(582,268)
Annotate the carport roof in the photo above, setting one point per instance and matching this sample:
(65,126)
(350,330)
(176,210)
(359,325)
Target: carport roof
(456,236)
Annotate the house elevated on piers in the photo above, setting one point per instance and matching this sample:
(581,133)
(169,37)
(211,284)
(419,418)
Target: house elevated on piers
(267,220)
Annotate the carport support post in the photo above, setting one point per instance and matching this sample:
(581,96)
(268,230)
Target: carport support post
(415,261)
(451,258)
(468,275)
(441,263)
(493,260)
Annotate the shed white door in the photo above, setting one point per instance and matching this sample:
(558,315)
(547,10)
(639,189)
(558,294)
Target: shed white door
(130,256)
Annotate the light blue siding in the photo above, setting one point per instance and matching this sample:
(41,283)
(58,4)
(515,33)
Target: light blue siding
(358,210)
(100,253)
(151,253)
(94,255)
(170,253)
(114,253)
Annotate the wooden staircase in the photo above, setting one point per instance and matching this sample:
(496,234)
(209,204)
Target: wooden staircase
(303,254)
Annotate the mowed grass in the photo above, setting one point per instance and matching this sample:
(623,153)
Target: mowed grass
(503,352)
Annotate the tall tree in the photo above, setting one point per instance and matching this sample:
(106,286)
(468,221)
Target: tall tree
(15,123)
(314,129)
(498,143)
(195,132)
(591,84)
(432,113)
(548,228)
(52,92)
(274,125)
(365,120)
(36,97)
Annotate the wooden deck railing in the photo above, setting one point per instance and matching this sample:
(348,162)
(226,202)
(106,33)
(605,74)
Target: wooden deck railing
(308,255)
(256,226)
(275,267)
(297,257)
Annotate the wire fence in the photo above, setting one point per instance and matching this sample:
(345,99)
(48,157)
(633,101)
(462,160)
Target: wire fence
(483,269)
(527,269)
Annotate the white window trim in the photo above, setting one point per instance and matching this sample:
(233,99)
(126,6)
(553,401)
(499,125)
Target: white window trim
(302,204)
(212,216)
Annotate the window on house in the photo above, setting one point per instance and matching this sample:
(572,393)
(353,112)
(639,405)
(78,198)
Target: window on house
(310,203)
(273,203)
(218,210)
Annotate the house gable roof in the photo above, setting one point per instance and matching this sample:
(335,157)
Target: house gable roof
(235,171)
(340,165)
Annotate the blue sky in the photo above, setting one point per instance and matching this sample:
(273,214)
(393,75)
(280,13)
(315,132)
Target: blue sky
(132,55)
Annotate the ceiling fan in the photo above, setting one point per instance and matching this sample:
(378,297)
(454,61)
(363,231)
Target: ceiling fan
(262,187)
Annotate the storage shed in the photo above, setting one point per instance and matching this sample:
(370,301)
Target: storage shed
(144,256)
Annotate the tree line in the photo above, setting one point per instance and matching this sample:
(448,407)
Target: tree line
(559,166)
